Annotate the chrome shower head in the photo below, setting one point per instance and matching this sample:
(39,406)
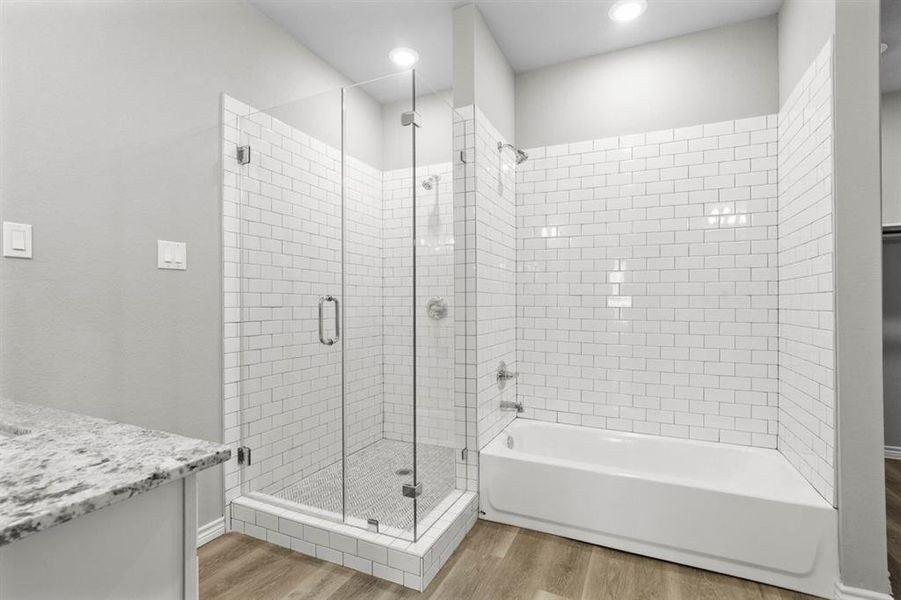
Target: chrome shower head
(431,181)
(520,155)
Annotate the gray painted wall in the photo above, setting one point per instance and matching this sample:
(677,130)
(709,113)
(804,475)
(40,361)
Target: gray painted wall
(482,74)
(495,82)
(723,73)
(319,116)
(804,27)
(891,158)
(110,141)
(858,301)
(464,56)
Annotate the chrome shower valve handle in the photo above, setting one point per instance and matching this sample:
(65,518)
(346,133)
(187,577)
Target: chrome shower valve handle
(504,375)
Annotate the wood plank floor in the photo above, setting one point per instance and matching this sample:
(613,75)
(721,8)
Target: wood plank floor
(494,562)
(893,518)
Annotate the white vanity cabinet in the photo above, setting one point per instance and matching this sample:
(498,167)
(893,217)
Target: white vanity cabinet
(96,509)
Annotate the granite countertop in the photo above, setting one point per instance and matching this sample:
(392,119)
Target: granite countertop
(56,466)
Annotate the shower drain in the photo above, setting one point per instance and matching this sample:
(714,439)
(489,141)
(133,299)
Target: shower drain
(403,471)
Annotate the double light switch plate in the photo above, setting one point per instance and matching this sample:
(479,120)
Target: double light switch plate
(172,255)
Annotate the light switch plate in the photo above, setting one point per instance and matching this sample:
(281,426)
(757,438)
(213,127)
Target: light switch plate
(16,240)
(171,255)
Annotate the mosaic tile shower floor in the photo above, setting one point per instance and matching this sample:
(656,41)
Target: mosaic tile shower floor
(374,487)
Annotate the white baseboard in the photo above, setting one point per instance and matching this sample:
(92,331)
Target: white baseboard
(845,592)
(893,452)
(210,531)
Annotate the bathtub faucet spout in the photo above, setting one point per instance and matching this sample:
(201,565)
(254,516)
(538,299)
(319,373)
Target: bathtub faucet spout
(508,405)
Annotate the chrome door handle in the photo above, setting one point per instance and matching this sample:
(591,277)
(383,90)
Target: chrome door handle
(321,328)
(337,320)
(322,338)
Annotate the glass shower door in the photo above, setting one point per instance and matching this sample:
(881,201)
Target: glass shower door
(283,263)
(377,283)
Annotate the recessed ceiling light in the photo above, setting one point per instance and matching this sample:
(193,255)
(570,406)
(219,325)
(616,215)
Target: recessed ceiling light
(627,10)
(404,57)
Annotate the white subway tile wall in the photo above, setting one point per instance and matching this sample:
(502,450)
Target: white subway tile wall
(466,397)
(435,410)
(362,303)
(290,386)
(806,281)
(647,283)
(494,258)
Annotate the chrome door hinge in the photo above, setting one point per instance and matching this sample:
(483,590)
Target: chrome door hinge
(243,455)
(411,117)
(412,491)
(243,155)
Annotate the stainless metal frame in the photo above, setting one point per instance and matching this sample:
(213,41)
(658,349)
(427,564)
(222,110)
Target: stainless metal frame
(417,485)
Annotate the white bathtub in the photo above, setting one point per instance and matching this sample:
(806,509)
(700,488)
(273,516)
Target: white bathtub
(742,511)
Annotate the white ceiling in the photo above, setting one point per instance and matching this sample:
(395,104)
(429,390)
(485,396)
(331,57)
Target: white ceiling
(354,36)
(537,34)
(891,34)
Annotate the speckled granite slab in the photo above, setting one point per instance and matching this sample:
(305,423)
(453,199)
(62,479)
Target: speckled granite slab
(56,465)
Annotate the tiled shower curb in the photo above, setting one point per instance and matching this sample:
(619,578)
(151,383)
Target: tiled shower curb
(410,564)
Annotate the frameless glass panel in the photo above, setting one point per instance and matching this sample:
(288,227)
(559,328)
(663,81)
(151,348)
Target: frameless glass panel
(286,269)
(440,427)
(377,306)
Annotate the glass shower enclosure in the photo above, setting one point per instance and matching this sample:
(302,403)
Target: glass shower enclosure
(346,325)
